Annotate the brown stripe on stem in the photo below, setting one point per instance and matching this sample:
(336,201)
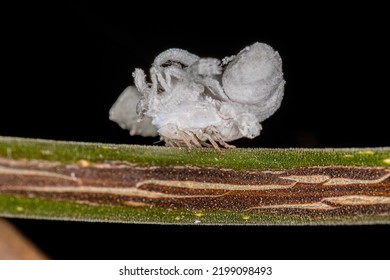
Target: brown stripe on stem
(326,190)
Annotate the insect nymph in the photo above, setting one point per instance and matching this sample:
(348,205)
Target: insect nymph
(203,102)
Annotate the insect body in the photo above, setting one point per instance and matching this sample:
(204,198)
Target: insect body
(203,102)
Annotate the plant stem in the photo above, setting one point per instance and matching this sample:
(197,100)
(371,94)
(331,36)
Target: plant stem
(148,184)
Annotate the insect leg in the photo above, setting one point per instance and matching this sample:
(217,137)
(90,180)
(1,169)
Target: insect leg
(215,145)
(193,139)
(215,88)
(164,84)
(173,71)
(185,139)
(182,56)
(218,137)
(140,81)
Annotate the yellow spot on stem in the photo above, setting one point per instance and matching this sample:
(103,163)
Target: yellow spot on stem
(348,155)
(199,214)
(19,208)
(177,218)
(246,218)
(368,153)
(84,163)
(386,160)
(105,147)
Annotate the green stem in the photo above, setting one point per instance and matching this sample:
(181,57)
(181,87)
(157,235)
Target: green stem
(149,184)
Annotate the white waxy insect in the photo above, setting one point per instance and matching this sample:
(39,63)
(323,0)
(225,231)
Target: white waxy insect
(203,102)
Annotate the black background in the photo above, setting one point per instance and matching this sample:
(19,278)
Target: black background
(64,65)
